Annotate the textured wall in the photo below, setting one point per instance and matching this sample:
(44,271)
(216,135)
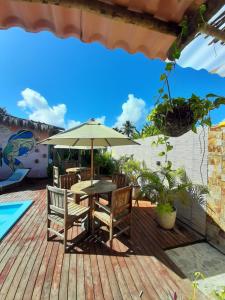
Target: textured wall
(23,152)
(190,151)
(216,182)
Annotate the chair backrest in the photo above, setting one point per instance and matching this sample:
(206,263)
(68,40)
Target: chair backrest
(85,174)
(121,200)
(120,180)
(70,164)
(55,176)
(57,199)
(67,180)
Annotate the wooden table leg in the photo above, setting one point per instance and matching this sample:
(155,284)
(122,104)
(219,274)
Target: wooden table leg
(91,205)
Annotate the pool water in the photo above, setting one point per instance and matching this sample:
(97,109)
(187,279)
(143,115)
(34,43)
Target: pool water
(10,213)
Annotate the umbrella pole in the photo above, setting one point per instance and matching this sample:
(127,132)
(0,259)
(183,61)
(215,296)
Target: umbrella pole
(92,161)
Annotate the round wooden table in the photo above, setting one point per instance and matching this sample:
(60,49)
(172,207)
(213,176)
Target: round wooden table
(97,187)
(76,169)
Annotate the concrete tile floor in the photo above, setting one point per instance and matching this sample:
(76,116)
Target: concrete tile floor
(201,257)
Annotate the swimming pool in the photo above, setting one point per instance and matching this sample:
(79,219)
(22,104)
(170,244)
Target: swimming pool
(10,212)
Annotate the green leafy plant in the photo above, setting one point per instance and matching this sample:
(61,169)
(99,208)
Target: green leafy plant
(220,293)
(133,169)
(106,163)
(165,186)
(176,116)
(197,276)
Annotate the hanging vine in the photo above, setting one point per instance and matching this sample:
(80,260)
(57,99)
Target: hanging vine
(172,117)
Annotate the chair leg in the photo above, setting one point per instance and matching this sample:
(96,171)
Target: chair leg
(65,239)
(111,236)
(48,226)
(92,225)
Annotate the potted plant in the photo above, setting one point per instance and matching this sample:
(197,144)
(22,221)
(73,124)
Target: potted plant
(133,170)
(176,116)
(166,186)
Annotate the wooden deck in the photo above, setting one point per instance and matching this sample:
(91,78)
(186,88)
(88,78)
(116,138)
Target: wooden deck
(32,268)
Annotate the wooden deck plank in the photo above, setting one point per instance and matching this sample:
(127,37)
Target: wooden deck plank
(33,268)
(72,286)
(21,262)
(105,285)
(14,256)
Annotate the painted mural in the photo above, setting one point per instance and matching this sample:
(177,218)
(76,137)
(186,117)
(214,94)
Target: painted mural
(19,144)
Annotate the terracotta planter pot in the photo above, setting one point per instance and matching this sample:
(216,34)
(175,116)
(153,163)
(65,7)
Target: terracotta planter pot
(136,192)
(166,220)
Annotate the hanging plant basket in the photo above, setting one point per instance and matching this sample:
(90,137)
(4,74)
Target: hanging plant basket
(175,116)
(176,121)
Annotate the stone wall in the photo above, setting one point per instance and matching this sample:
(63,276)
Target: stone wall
(215,229)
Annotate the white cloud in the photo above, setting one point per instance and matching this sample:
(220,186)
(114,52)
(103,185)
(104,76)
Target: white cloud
(134,110)
(72,123)
(38,109)
(101,119)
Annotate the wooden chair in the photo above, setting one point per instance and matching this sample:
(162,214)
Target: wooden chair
(120,180)
(85,174)
(62,211)
(118,213)
(66,181)
(55,176)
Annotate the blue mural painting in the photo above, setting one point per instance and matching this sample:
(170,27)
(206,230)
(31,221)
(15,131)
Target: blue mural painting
(19,144)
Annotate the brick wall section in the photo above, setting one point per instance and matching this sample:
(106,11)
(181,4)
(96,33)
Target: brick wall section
(215,228)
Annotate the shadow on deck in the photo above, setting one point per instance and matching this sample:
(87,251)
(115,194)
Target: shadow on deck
(32,268)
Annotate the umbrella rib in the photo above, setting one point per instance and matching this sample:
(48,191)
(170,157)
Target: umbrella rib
(108,143)
(74,144)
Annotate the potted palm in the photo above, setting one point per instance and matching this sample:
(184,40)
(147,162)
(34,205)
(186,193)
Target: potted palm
(133,170)
(166,186)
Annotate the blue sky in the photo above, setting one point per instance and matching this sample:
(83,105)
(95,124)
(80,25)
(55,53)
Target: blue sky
(66,81)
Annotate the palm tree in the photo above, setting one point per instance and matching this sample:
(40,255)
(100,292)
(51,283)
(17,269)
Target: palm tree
(3,111)
(128,128)
(118,129)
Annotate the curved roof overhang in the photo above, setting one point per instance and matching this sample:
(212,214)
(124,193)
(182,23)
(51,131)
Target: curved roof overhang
(150,27)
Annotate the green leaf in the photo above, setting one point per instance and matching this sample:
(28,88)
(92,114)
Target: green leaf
(169,66)
(211,95)
(219,101)
(162,153)
(194,129)
(163,77)
(207,121)
(161,91)
(202,9)
(165,96)
(169,148)
(176,53)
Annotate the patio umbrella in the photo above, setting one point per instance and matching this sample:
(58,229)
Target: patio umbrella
(90,134)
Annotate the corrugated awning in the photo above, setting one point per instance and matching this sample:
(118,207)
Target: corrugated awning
(144,26)
(204,53)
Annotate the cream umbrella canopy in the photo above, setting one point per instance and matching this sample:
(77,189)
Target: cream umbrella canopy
(90,134)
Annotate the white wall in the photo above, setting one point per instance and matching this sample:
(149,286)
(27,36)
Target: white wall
(190,151)
(187,152)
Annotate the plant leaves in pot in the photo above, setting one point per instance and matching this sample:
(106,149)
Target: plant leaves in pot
(166,186)
(132,169)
